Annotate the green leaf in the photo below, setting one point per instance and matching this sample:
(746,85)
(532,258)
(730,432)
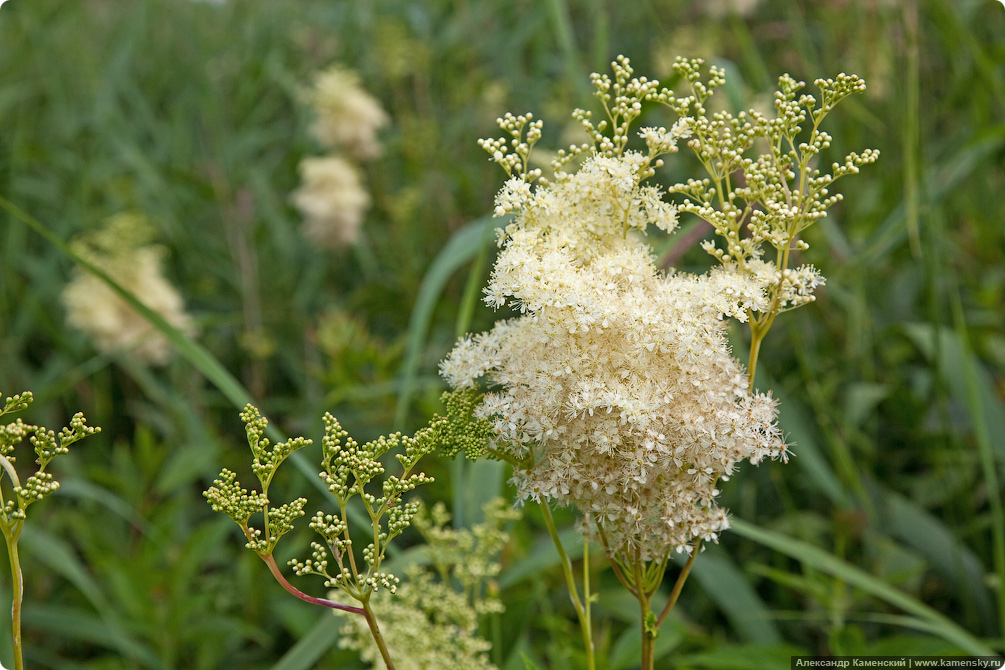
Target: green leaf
(71,623)
(949,557)
(527,663)
(312,646)
(727,585)
(944,344)
(459,249)
(81,489)
(59,557)
(821,560)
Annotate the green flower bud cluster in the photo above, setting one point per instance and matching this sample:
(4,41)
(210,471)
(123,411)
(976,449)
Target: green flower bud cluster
(774,195)
(463,431)
(228,496)
(13,512)
(429,623)
(349,470)
(47,445)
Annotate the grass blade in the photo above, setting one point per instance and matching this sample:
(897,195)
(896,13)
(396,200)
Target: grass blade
(929,536)
(192,351)
(821,560)
(459,249)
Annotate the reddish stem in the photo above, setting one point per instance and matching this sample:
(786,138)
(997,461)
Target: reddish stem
(271,562)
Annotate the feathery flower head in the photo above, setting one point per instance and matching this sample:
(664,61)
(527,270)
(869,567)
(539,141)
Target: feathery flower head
(615,389)
(332,201)
(122,249)
(347,116)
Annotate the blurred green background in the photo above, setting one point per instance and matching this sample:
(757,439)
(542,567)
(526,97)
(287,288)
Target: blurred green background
(892,385)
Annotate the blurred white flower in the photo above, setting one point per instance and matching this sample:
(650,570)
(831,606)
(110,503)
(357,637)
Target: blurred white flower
(348,117)
(95,309)
(332,200)
(721,8)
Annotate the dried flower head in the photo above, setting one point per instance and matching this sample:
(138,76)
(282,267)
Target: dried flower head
(348,117)
(332,200)
(122,250)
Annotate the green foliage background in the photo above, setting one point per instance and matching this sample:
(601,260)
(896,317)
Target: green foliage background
(891,385)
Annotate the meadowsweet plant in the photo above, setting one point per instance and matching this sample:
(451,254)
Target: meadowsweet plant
(432,620)
(332,197)
(349,470)
(614,391)
(347,118)
(19,496)
(332,200)
(123,248)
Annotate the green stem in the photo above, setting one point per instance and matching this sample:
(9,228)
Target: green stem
(11,472)
(756,336)
(371,621)
(587,624)
(582,612)
(648,630)
(679,584)
(615,565)
(17,586)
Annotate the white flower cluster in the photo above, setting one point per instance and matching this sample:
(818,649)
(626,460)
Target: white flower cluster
(348,117)
(94,308)
(332,200)
(332,197)
(615,388)
(426,626)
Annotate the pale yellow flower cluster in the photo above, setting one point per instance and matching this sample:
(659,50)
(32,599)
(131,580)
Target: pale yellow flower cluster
(348,117)
(95,309)
(332,200)
(426,625)
(615,388)
(332,197)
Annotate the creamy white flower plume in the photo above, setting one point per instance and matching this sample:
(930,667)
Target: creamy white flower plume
(332,200)
(616,383)
(95,309)
(348,117)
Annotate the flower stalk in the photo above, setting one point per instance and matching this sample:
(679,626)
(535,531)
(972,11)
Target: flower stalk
(47,445)
(348,469)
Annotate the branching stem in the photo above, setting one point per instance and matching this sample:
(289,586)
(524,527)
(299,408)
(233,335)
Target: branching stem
(278,574)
